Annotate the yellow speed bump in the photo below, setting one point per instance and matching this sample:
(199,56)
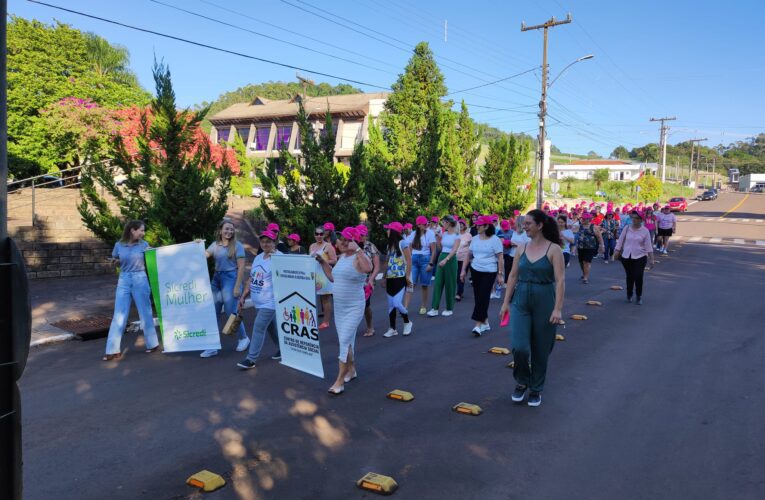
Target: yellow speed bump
(208,481)
(617,287)
(378,483)
(400,395)
(594,303)
(467,409)
(580,317)
(500,350)
(558,336)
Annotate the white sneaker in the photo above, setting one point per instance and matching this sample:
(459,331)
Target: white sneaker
(209,353)
(433,313)
(447,312)
(485,327)
(408,328)
(477,331)
(390,333)
(243,344)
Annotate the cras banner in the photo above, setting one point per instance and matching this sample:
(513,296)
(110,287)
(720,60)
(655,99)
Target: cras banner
(180,288)
(296,318)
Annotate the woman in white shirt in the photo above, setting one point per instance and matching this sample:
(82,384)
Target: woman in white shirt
(486,263)
(446,271)
(566,236)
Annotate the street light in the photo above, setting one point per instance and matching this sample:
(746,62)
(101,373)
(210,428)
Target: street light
(542,114)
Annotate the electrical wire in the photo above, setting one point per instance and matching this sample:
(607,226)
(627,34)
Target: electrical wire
(207,46)
(495,82)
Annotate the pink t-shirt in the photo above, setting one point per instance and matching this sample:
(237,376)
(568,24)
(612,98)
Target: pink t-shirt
(634,243)
(650,223)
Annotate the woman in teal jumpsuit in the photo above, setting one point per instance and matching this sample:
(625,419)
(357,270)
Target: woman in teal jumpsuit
(536,286)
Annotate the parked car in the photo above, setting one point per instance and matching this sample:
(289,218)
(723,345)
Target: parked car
(678,204)
(708,195)
(257,192)
(758,189)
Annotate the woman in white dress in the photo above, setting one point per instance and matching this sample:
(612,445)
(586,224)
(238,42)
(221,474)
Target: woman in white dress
(348,277)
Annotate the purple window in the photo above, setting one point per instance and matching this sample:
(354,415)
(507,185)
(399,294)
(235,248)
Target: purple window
(244,133)
(223,134)
(261,138)
(283,136)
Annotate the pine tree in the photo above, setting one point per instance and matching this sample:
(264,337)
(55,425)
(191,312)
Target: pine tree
(171,182)
(505,175)
(470,148)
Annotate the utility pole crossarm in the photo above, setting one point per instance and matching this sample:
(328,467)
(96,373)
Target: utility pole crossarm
(549,24)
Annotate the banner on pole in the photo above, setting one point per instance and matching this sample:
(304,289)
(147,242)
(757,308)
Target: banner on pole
(180,287)
(296,319)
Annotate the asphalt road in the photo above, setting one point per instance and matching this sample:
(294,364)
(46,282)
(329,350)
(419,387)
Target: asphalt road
(664,400)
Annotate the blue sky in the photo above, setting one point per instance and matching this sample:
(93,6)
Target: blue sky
(700,61)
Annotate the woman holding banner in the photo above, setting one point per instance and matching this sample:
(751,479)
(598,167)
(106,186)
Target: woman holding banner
(326,251)
(133,285)
(227,280)
(348,278)
(262,291)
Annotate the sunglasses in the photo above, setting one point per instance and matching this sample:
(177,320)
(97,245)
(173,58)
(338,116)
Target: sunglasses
(318,234)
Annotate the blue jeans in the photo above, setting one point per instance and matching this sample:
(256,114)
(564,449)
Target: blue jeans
(420,273)
(609,244)
(264,320)
(222,285)
(131,287)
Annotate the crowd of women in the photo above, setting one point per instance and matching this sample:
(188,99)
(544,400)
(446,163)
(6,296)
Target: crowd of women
(521,260)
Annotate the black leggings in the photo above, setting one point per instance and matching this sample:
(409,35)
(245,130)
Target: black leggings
(634,269)
(460,284)
(508,265)
(482,285)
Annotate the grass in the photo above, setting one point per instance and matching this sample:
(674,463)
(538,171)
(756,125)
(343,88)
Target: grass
(616,191)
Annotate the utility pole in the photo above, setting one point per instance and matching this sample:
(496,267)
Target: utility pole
(543,102)
(663,144)
(690,170)
(305,82)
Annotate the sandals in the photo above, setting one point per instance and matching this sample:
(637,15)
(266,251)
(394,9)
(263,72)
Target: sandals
(369,333)
(112,357)
(153,349)
(336,392)
(347,379)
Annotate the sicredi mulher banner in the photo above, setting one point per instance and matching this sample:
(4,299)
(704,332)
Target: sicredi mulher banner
(180,287)
(296,319)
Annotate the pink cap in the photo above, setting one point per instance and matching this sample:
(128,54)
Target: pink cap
(483,219)
(587,215)
(505,224)
(328,226)
(494,217)
(362,229)
(665,207)
(350,233)
(516,213)
(434,219)
(268,234)
(273,227)
(294,237)
(421,219)
(408,225)
(394,226)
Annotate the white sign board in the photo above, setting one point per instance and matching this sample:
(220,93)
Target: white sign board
(296,317)
(180,287)
(555,187)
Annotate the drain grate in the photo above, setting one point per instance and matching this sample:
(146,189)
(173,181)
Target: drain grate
(86,327)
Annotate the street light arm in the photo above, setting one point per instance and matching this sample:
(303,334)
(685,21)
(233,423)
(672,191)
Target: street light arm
(583,58)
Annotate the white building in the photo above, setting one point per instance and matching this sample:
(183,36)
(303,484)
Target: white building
(748,181)
(618,170)
(267,125)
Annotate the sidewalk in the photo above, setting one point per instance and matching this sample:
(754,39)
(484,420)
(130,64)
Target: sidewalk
(59,299)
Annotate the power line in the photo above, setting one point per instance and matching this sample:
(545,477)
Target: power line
(207,46)
(494,82)
(224,23)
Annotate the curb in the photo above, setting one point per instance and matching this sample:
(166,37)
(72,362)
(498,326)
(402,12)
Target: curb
(52,339)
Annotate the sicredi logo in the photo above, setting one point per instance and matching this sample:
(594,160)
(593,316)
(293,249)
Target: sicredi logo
(298,316)
(179,334)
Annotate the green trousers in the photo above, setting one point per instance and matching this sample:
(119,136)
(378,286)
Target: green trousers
(532,336)
(446,281)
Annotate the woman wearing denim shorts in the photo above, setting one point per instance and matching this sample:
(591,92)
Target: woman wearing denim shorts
(423,245)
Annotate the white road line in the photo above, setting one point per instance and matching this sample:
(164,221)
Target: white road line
(760,243)
(744,220)
(758,220)
(696,238)
(693,203)
(715,240)
(738,241)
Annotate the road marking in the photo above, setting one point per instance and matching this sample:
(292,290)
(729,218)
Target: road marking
(738,241)
(695,238)
(758,220)
(734,208)
(744,220)
(715,240)
(723,218)
(760,243)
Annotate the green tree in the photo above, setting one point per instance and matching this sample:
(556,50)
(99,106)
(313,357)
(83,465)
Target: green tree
(382,194)
(45,65)
(470,148)
(242,183)
(109,61)
(505,176)
(593,154)
(314,189)
(650,188)
(172,183)
(600,176)
(568,181)
(620,153)
(411,109)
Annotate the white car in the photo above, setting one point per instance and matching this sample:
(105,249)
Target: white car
(257,191)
